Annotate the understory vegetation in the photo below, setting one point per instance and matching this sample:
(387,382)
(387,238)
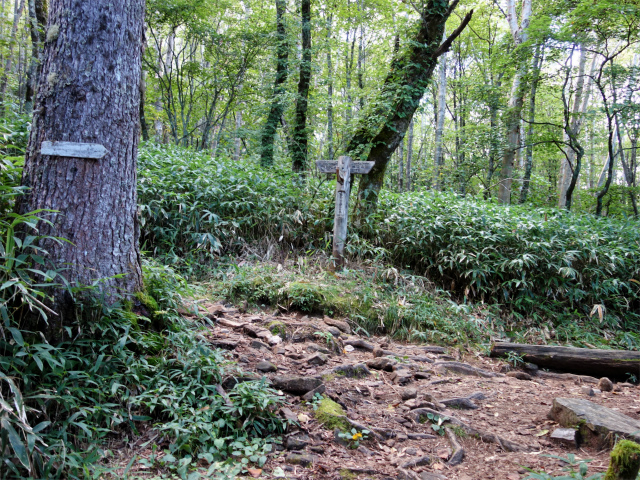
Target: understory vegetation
(429,267)
(544,269)
(67,408)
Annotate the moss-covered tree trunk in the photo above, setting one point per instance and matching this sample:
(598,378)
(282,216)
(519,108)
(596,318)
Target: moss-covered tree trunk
(277,105)
(381,130)
(299,141)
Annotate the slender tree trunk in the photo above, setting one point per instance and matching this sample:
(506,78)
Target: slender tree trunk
(494,142)
(37,27)
(406,83)
(516,101)
(17,13)
(300,133)
(329,91)
(536,67)
(237,140)
(400,152)
(409,156)
(277,105)
(96,199)
(144,127)
(438,158)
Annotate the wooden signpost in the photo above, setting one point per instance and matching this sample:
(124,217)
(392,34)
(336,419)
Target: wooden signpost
(73,149)
(343,168)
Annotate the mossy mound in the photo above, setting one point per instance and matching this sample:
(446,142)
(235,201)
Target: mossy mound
(278,327)
(331,415)
(625,461)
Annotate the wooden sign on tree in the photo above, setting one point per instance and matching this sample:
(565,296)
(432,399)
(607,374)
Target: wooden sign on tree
(343,168)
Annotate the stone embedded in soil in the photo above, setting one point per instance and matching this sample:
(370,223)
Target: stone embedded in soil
(567,436)
(288,414)
(417,462)
(597,424)
(257,344)
(304,460)
(587,391)
(309,395)
(463,403)
(314,347)
(231,381)
(605,384)
(318,359)
(464,369)
(366,451)
(401,377)
(334,331)
(225,343)
(344,326)
(382,363)
(295,384)
(266,367)
(408,393)
(432,476)
(297,441)
(520,375)
(359,370)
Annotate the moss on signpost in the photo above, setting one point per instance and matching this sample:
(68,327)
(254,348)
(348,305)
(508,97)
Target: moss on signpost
(625,461)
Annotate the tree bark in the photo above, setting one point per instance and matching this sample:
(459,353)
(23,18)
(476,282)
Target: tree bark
(405,84)
(89,99)
(144,127)
(300,140)
(516,101)
(277,105)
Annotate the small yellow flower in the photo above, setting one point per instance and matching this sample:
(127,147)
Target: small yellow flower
(357,436)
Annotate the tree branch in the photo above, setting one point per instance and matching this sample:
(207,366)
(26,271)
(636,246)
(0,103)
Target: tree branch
(456,33)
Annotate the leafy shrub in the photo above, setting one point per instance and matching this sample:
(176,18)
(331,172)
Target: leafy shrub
(194,207)
(536,263)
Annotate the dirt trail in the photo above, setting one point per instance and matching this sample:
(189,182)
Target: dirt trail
(393,394)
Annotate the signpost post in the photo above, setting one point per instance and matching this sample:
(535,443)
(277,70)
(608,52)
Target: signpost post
(343,168)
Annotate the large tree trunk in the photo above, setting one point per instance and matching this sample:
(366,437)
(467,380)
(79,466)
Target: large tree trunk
(438,158)
(404,86)
(89,99)
(299,145)
(37,27)
(277,105)
(516,101)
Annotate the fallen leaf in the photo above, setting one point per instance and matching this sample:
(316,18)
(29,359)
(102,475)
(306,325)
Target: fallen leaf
(541,433)
(254,472)
(438,466)
(303,418)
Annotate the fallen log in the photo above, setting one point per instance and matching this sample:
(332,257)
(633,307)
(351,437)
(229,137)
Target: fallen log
(597,363)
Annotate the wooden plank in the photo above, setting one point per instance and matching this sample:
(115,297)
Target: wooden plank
(327,166)
(343,189)
(330,166)
(73,149)
(361,167)
(594,362)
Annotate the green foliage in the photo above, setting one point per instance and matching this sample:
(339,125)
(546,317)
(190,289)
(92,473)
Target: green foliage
(437,422)
(194,208)
(61,403)
(575,469)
